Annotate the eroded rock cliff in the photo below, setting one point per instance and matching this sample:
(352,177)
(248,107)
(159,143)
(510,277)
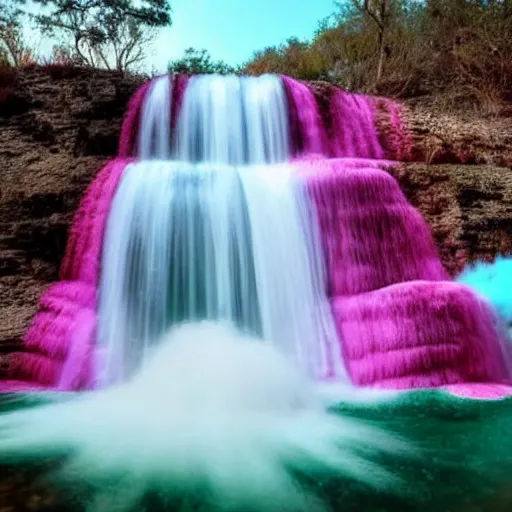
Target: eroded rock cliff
(469,208)
(56,129)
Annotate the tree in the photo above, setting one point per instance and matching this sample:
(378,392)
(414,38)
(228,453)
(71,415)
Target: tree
(378,11)
(10,11)
(195,62)
(295,58)
(129,46)
(125,48)
(407,47)
(12,47)
(111,33)
(269,60)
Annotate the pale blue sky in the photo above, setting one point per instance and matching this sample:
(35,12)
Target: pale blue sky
(233,29)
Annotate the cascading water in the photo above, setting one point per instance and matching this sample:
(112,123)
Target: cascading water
(225,230)
(233,120)
(156,119)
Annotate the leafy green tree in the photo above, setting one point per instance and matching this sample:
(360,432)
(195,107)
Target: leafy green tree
(9,11)
(195,62)
(13,49)
(110,33)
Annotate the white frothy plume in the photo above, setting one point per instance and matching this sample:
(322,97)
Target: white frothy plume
(213,415)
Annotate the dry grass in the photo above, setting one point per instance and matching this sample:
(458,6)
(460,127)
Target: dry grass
(444,133)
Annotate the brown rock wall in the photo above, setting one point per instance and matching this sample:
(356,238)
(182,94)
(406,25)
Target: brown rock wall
(56,130)
(468,207)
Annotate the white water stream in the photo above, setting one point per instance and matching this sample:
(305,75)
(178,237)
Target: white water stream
(224,230)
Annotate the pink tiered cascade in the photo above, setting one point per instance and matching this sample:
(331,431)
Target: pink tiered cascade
(403,323)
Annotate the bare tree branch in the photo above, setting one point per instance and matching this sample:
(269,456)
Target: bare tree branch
(377,12)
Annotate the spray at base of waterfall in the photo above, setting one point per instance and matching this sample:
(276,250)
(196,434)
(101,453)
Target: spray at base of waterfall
(213,415)
(188,242)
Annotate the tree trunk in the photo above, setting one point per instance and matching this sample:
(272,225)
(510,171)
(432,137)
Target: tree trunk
(380,48)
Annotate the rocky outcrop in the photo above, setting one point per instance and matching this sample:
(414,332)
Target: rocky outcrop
(419,130)
(440,137)
(57,127)
(468,207)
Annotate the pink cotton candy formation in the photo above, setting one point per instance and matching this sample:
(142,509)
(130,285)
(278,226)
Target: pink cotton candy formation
(326,120)
(419,334)
(403,323)
(480,391)
(394,137)
(307,130)
(352,127)
(57,348)
(131,122)
(59,342)
(372,236)
(82,258)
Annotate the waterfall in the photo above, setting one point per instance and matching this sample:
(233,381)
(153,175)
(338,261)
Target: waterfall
(201,241)
(353,127)
(307,130)
(233,120)
(155,135)
(290,274)
(211,223)
(216,218)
